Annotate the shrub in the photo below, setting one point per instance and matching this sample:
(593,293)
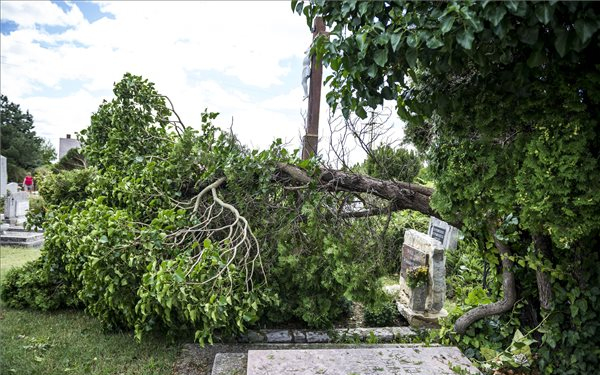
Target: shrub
(33,286)
(381,315)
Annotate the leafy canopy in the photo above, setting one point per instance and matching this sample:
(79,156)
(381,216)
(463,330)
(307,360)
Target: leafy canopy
(22,147)
(503,99)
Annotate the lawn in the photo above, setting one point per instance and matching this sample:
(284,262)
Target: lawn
(70,342)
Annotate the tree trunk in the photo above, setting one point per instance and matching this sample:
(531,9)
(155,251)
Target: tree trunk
(403,195)
(543,245)
(506,304)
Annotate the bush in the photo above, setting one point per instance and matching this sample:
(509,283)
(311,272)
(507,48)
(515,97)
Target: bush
(381,315)
(31,286)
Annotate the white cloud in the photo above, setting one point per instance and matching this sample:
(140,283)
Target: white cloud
(183,47)
(29,13)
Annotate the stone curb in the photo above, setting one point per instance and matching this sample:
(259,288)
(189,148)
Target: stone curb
(282,336)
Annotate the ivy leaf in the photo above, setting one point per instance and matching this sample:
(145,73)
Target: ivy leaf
(561,41)
(529,35)
(544,13)
(585,29)
(360,112)
(103,239)
(465,39)
(412,41)
(360,40)
(495,14)
(387,93)
(434,43)
(381,57)
(536,58)
(372,71)
(411,57)
(447,23)
(394,40)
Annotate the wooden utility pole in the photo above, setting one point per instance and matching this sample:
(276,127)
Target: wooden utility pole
(311,139)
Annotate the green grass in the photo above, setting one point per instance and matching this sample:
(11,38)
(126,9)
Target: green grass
(70,342)
(15,256)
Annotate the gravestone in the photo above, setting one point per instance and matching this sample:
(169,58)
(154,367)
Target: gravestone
(3,176)
(420,250)
(12,188)
(364,361)
(443,232)
(16,206)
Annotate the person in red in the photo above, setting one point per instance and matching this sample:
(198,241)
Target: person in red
(28,183)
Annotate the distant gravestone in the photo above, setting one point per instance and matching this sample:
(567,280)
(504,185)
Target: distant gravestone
(12,188)
(3,176)
(422,305)
(16,206)
(443,232)
(363,361)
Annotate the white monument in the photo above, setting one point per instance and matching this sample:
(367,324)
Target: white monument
(65,144)
(3,176)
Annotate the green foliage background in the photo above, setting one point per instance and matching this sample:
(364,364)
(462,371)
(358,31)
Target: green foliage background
(502,97)
(120,233)
(19,143)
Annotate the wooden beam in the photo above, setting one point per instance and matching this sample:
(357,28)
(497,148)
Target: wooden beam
(311,139)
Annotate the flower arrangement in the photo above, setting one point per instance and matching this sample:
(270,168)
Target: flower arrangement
(417,276)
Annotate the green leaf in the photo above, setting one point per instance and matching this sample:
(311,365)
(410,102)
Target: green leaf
(465,39)
(434,43)
(488,353)
(387,93)
(372,71)
(495,13)
(411,57)
(412,41)
(381,57)
(544,12)
(586,28)
(360,112)
(360,40)
(560,43)
(179,275)
(536,58)
(394,40)
(529,35)
(447,23)
(103,239)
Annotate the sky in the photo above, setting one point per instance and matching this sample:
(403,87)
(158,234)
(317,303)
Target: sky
(243,59)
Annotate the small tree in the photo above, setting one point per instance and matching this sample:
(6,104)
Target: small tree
(22,147)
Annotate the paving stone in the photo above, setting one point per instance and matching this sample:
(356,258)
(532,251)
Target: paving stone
(299,336)
(255,336)
(229,364)
(317,337)
(400,332)
(383,334)
(363,361)
(278,336)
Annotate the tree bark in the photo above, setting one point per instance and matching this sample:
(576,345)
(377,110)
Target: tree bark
(403,195)
(543,245)
(504,305)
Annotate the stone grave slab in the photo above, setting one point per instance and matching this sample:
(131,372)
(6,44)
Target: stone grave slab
(443,232)
(360,361)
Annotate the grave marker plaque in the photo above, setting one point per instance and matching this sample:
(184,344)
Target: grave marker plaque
(412,258)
